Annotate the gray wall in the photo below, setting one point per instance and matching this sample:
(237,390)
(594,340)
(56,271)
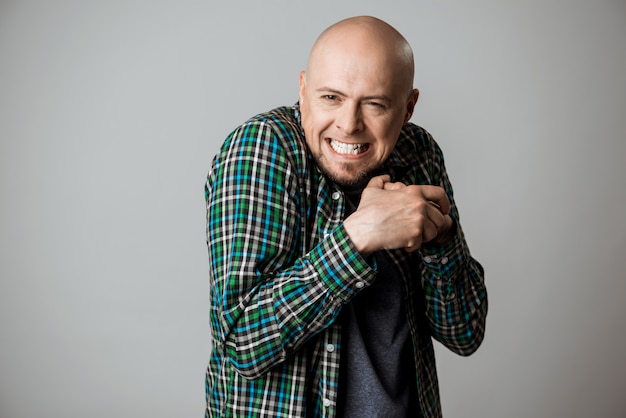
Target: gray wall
(111,111)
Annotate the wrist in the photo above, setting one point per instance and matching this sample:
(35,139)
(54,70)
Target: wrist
(358,239)
(446,233)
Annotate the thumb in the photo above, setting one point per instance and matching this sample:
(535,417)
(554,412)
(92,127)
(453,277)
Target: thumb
(378,182)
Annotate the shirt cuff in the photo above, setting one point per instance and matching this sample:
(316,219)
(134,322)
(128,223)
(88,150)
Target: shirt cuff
(442,261)
(340,266)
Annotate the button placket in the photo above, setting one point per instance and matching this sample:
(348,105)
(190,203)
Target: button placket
(338,205)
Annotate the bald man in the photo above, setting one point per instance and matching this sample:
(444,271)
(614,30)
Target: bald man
(335,249)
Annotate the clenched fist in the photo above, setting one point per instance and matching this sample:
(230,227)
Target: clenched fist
(394,215)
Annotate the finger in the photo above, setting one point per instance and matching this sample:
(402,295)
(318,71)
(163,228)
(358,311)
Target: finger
(429,233)
(434,215)
(413,246)
(379,182)
(434,204)
(437,197)
(394,186)
(430,230)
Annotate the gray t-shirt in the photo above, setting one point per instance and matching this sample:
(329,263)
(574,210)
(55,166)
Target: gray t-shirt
(377,372)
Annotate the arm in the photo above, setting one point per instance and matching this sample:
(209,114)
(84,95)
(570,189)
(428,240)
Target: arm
(424,217)
(454,287)
(268,294)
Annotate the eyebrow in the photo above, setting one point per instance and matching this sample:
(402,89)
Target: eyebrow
(340,93)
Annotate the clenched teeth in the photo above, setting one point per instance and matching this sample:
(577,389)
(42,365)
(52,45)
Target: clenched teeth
(350,149)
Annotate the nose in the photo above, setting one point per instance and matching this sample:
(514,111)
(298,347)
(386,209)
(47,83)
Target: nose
(348,119)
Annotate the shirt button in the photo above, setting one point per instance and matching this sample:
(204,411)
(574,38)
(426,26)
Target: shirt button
(444,260)
(452,296)
(330,348)
(359,285)
(427,259)
(326,402)
(336,195)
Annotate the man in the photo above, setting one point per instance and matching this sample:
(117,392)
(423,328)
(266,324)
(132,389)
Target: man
(335,248)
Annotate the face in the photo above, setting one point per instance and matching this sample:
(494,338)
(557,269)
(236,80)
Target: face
(353,107)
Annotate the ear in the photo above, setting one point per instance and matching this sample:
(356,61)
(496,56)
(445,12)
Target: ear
(410,104)
(302,84)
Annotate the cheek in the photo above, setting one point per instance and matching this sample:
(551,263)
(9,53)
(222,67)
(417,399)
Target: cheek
(310,133)
(315,123)
(384,131)
(387,136)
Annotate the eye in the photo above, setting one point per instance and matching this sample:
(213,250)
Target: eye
(330,97)
(376,105)
(377,108)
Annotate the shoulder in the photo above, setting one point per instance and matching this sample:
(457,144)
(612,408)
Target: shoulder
(269,142)
(416,158)
(415,143)
(278,128)
(281,123)
(284,120)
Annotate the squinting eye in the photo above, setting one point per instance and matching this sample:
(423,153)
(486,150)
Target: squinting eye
(377,105)
(329,97)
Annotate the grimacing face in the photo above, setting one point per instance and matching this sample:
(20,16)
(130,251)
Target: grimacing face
(353,107)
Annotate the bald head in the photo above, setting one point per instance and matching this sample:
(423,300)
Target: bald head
(355,96)
(369,39)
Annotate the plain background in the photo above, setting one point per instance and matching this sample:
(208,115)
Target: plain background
(111,111)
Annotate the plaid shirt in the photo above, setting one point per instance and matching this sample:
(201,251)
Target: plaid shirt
(282,266)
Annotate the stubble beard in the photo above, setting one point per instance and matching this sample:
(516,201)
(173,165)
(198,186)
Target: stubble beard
(347,175)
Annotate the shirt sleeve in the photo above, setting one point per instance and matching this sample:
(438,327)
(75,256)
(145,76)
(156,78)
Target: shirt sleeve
(453,283)
(269,294)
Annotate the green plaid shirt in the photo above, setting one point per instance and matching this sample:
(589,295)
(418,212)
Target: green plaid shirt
(282,266)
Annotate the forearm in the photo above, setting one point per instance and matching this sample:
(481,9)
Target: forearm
(272,288)
(281,310)
(455,295)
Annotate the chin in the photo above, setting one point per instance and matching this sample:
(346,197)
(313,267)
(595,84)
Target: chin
(344,174)
(346,177)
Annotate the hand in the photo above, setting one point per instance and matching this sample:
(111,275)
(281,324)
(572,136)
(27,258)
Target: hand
(394,215)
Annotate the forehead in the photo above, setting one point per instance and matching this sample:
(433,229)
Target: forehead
(356,70)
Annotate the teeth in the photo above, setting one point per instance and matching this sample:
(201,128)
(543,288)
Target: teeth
(352,149)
